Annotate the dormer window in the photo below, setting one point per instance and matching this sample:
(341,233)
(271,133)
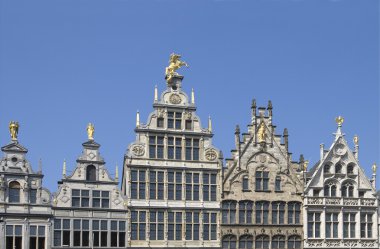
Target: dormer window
(350,169)
(188,124)
(14,192)
(91,173)
(348,190)
(330,190)
(174,120)
(326,169)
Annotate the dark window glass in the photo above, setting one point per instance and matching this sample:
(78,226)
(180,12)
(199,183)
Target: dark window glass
(91,173)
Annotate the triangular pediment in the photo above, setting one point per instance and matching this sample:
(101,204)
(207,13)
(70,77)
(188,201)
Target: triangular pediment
(14,147)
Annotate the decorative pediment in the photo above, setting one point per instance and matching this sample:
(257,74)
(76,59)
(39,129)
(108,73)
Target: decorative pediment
(14,147)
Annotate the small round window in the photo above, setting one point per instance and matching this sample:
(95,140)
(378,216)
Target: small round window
(14,159)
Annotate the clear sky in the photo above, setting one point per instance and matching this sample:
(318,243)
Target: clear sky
(64,63)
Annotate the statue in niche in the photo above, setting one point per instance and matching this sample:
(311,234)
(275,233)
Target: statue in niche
(261,135)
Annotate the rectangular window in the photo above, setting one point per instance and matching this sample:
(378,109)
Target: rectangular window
(174,185)
(156,225)
(175,148)
(209,187)
(37,237)
(156,147)
(138,225)
(192,149)
(192,225)
(13,236)
(349,225)
(314,225)
(245,212)
(262,211)
(62,232)
(209,226)
(138,184)
(174,225)
(188,124)
(80,198)
(160,123)
(100,199)
(245,183)
(117,233)
(294,213)
(156,189)
(262,180)
(192,186)
(332,225)
(174,120)
(278,212)
(278,183)
(366,224)
(33,196)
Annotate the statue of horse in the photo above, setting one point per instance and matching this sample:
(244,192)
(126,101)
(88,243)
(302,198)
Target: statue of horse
(174,64)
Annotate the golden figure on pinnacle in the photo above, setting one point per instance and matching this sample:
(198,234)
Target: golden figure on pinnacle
(174,64)
(13,129)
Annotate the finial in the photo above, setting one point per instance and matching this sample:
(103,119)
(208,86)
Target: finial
(286,132)
(137,118)
(192,96)
(237,129)
(90,131)
(356,140)
(253,103)
(155,93)
(64,168)
(339,120)
(374,168)
(305,164)
(116,173)
(174,64)
(209,124)
(270,107)
(40,165)
(13,129)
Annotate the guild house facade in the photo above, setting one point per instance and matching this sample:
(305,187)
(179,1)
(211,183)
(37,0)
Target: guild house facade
(176,191)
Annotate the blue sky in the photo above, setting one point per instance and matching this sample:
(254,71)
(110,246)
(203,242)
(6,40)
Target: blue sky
(69,62)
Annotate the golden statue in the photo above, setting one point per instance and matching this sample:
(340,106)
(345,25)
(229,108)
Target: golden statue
(339,120)
(13,129)
(174,64)
(356,139)
(305,164)
(90,131)
(374,168)
(261,135)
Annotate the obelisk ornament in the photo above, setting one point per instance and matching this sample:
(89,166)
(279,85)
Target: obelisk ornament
(13,129)
(90,131)
(174,64)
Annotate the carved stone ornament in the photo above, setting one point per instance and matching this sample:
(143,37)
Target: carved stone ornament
(161,113)
(211,155)
(340,149)
(175,99)
(188,115)
(65,199)
(263,158)
(138,150)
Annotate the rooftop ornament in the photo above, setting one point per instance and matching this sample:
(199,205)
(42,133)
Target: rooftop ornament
(13,130)
(175,63)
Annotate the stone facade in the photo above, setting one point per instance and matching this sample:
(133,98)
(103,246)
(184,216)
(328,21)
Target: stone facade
(89,209)
(172,177)
(341,204)
(262,189)
(25,207)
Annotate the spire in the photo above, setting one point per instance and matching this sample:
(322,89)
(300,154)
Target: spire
(356,143)
(321,152)
(253,109)
(64,169)
(237,137)
(40,166)
(374,169)
(286,140)
(116,173)
(339,121)
(209,124)
(270,108)
(137,118)
(155,94)
(192,96)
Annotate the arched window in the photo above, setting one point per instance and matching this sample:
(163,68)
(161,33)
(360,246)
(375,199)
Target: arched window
(326,169)
(350,169)
(245,212)
(330,189)
(245,183)
(348,190)
(229,212)
(229,242)
(278,212)
(338,168)
(91,173)
(262,212)
(294,242)
(262,180)
(262,242)
(14,192)
(246,242)
(278,242)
